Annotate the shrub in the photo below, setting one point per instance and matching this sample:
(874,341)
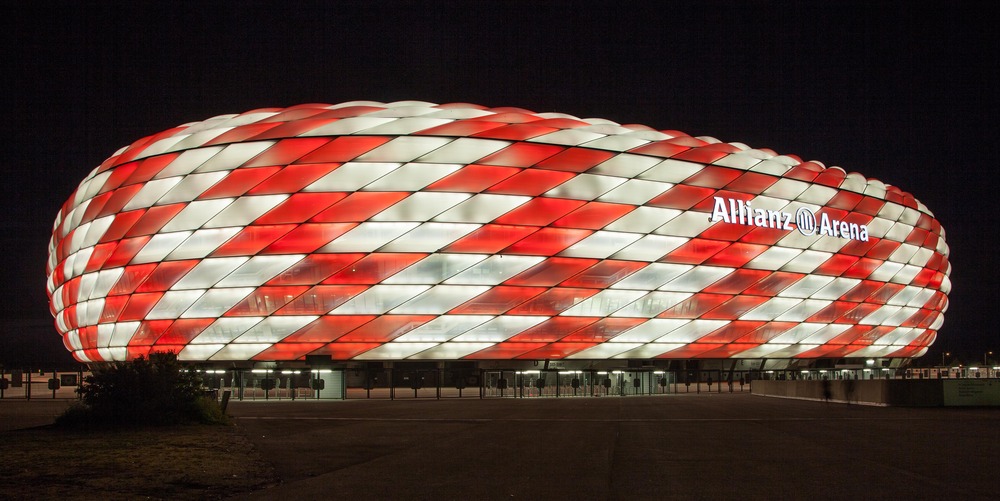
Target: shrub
(144,391)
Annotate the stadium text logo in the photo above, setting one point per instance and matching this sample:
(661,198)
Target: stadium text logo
(740,212)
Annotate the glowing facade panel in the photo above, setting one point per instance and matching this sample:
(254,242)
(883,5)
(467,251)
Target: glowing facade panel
(440,232)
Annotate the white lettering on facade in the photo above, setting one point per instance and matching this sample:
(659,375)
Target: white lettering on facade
(735,211)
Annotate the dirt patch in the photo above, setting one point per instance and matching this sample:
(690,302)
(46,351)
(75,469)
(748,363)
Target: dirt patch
(188,462)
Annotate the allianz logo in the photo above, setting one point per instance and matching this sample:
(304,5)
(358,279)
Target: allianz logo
(739,212)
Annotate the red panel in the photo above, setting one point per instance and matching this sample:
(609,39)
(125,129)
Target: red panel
(503,351)
(149,168)
(547,241)
(459,128)
(490,238)
(764,236)
(726,232)
(594,215)
(660,149)
(883,249)
(242,133)
(603,274)
(553,302)
(154,219)
(701,155)
(531,182)
(319,300)
(752,182)
(238,182)
(103,251)
(767,332)
(681,197)
(690,351)
(885,293)
(861,291)
(472,178)
(125,251)
(94,208)
(736,255)
(551,271)
(727,351)
(294,128)
(288,351)
(386,328)
(113,307)
(118,199)
(846,200)
(148,332)
(540,211)
(359,206)
(735,307)
(774,283)
(836,265)
(552,329)
(603,330)
(121,224)
(695,306)
(140,351)
(251,239)
(737,281)
(374,268)
(515,132)
(265,300)
(556,351)
(328,328)
(921,280)
(713,177)
(183,330)
(695,251)
(345,351)
(287,151)
(165,275)
(521,155)
(862,268)
(314,268)
(731,332)
(858,313)
(870,206)
(831,177)
(576,159)
(307,238)
(117,176)
(832,313)
(497,300)
(292,179)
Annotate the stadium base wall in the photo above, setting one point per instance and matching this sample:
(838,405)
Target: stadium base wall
(907,392)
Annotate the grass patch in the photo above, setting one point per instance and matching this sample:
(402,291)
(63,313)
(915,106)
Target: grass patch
(183,462)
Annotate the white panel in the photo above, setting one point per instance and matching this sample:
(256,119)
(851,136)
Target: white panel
(239,351)
(440,299)
(892,336)
(173,304)
(890,211)
(494,270)
(465,150)
(80,261)
(394,351)
(763,350)
(625,165)
(880,316)
(806,286)
(94,309)
(234,155)
(652,304)
(188,161)
(123,333)
(904,296)
(349,125)
(159,246)
(649,248)
(773,258)
(106,279)
(692,331)
(208,272)
(600,244)
(259,269)
(885,272)
(817,194)
(482,208)
(199,351)
(737,161)
(874,351)
(429,237)
(196,214)
(797,333)
(405,148)
(245,210)
(652,277)
(568,137)
(908,336)
(921,298)
(190,187)
(161,146)
(906,275)
(202,243)
(351,176)
(920,257)
(651,350)
(697,278)
(451,351)
(585,187)
(225,329)
(672,171)
(643,220)
(903,253)
(500,328)
(150,193)
(434,268)
(688,224)
(420,206)
(791,351)
(615,143)
(411,177)
(806,262)
(604,350)
(274,329)
(650,330)
(878,227)
(771,308)
(113,354)
(837,288)
(407,125)
(215,302)
(100,226)
(443,328)
(379,299)
(367,237)
(803,310)
(603,303)
(826,334)
(635,192)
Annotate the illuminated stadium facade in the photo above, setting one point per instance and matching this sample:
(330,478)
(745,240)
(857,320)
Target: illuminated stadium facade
(412,231)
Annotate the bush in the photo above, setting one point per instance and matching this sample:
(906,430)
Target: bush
(144,391)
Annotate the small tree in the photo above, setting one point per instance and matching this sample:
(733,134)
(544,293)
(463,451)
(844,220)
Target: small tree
(144,391)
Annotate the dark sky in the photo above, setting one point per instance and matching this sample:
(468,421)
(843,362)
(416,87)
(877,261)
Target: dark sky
(901,93)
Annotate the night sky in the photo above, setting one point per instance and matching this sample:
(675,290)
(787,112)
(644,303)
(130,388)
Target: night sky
(897,92)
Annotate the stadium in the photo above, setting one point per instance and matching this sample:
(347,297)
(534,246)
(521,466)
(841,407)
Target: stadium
(370,244)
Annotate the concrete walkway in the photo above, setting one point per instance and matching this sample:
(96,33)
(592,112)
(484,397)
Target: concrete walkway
(708,446)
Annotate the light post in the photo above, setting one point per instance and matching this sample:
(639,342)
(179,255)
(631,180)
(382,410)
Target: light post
(944,354)
(987,354)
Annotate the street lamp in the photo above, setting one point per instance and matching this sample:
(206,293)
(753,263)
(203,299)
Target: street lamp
(987,354)
(944,354)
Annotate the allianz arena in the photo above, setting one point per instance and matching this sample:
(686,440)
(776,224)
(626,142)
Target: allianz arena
(411,231)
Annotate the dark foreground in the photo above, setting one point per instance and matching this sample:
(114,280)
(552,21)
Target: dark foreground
(708,446)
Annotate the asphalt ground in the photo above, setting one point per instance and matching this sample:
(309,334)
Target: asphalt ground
(686,446)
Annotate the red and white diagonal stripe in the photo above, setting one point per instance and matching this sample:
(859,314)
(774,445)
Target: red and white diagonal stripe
(411,230)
